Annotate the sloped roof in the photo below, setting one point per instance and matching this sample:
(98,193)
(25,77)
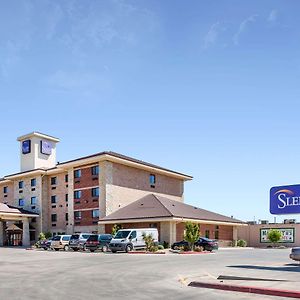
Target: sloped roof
(153,206)
(8,209)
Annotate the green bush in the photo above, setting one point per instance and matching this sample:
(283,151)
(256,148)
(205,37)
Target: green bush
(160,247)
(166,245)
(191,233)
(42,236)
(150,244)
(48,235)
(274,236)
(241,243)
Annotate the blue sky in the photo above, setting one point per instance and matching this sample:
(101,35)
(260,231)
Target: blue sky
(208,88)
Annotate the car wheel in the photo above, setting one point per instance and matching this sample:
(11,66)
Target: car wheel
(56,249)
(45,248)
(92,250)
(104,248)
(113,251)
(75,249)
(66,248)
(128,248)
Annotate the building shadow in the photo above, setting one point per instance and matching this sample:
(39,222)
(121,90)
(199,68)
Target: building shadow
(284,268)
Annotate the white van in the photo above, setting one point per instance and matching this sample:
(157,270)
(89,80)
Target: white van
(131,239)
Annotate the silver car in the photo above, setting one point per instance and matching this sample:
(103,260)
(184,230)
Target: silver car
(295,253)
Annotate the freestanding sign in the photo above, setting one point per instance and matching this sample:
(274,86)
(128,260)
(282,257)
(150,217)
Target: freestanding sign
(285,200)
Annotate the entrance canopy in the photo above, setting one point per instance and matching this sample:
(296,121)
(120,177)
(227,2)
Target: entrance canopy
(8,212)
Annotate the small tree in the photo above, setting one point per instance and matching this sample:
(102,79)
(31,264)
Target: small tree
(274,236)
(115,229)
(149,241)
(48,235)
(191,234)
(42,236)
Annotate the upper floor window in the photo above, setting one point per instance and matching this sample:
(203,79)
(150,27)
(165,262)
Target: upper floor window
(53,199)
(53,180)
(77,215)
(95,170)
(95,192)
(53,217)
(67,217)
(21,202)
(21,184)
(77,194)
(66,197)
(33,201)
(77,173)
(33,182)
(152,179)
(95,213)
(5,189)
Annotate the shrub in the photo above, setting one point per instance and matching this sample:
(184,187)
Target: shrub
(115,229)
(149,241)
(48,235)
(42,236)
(166,245)
(241,243)
(198,249)
(191,233)
(160,247)
(274,236)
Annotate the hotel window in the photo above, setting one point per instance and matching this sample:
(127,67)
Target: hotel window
(53,180)
(77,215)
(66,178)
(33,201)
(77,173)
(53,199)
(21,202)
(77,194)
(67,217)
(21,184)
(67,197)
(152,180)
(53,217)
(95,213)
(95,192)
(5,189)
(95,170)
(33,182)
(207,234)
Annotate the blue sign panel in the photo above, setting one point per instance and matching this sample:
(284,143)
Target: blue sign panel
(26,147)
(285,200)
(46,147)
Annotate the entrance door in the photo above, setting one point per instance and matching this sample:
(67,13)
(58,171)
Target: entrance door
(14,238)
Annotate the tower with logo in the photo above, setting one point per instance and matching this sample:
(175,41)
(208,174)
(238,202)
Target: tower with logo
(37,151)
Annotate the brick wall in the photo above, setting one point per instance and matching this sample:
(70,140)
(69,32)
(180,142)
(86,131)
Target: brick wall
(86,179)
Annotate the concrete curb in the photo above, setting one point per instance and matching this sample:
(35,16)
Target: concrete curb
(246,289)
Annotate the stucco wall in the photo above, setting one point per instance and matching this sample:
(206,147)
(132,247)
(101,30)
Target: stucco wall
(251,234)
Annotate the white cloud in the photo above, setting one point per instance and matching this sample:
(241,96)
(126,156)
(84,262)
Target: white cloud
(243,27)
(273,16)
(213,34)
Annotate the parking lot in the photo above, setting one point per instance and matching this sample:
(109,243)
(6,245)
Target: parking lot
(39,274)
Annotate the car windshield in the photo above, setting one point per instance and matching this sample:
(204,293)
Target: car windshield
(75,237)
(85,236)
(56,238)
(122,234)
(93,237)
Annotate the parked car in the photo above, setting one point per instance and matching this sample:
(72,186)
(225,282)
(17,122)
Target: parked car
(60,242)
(295,253)
(131,239)
(98,242)
(206,243)
(78,241)
(45,244)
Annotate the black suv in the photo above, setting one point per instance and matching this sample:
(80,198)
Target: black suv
(206,243)
(98,241)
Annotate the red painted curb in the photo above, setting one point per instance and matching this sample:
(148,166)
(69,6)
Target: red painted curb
(247,289)
(193,252)
(137,252)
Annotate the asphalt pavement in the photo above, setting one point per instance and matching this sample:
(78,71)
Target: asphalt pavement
(39,274)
